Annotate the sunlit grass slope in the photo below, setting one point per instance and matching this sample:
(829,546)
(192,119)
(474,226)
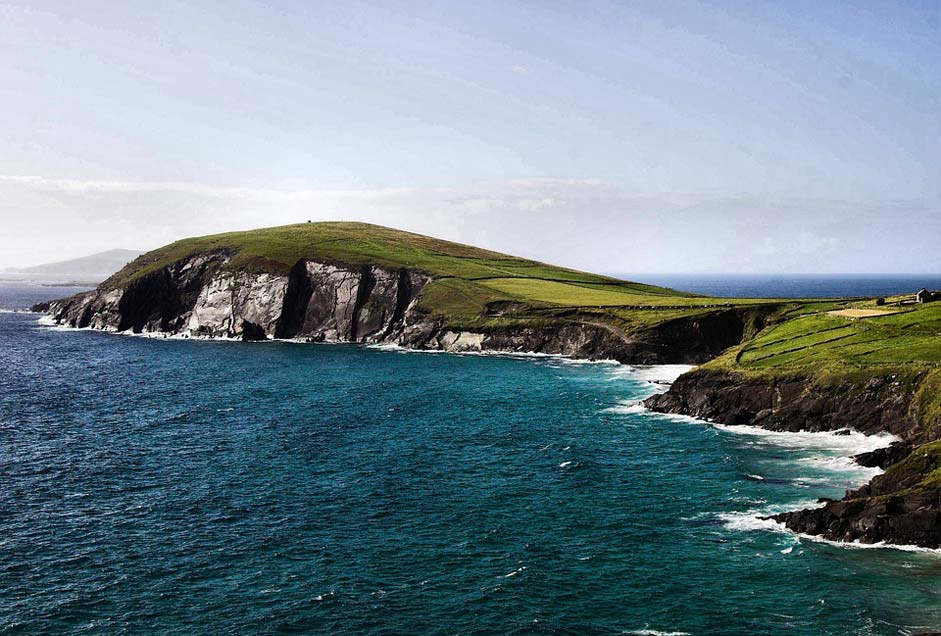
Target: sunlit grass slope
(468,280)
(908,335)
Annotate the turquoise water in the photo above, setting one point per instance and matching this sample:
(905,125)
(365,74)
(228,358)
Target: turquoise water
(180,487)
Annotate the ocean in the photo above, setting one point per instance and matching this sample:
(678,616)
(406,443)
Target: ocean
(791,285)
(196,487)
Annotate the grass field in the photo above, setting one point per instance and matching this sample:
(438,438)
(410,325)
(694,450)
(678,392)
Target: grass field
(905,337)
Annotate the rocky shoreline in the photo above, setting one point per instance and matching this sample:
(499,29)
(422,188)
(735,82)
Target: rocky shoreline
(897,507)
(320,301)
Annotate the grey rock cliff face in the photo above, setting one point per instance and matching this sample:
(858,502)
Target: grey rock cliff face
(228,303)
(337,302)
(200,297)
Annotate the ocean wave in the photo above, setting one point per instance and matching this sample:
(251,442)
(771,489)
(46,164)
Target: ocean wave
(51,325)
(753,519)
(660,374)
(655,632)
(846,442)
(858,545)
(625,407)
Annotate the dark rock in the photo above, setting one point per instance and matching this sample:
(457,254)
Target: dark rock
(789,403)
(40,308)
(251,331)
(884,457)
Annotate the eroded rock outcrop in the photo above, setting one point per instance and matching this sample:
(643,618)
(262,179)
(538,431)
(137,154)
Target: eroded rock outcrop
(792,403)
(199,296)
(686,340)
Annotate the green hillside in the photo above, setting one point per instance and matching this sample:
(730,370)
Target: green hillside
(481,289)
(901,334)
(469,281)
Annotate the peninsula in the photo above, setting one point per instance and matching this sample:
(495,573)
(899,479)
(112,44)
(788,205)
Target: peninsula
(783,364)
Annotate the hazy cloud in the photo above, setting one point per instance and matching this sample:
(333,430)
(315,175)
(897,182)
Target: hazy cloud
(584,223)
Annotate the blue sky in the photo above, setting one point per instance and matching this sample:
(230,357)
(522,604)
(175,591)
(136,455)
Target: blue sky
(662,136)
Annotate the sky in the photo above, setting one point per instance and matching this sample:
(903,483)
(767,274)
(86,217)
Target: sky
(712,137)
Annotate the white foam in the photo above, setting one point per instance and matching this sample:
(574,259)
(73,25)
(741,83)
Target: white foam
(750,520)
(49,323)
(654,632)
(846,443)
(515,572)
(882,545)
(625,407)
(522,355)
(842,465)
(660,373)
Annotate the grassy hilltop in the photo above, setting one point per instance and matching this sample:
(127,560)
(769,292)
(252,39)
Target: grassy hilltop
(469,282)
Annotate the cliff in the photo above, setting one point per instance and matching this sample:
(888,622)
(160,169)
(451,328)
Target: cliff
(338,282)
(901,506)
(316,301)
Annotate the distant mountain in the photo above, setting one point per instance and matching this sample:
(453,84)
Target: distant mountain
(90,269)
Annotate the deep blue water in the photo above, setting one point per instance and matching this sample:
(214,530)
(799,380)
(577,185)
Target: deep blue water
(792,285)
(181,487)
